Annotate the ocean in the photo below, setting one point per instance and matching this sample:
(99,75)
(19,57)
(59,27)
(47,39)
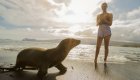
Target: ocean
(10,48)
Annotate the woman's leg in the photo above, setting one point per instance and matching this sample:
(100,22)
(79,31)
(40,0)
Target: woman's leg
(106,44)
(98,45)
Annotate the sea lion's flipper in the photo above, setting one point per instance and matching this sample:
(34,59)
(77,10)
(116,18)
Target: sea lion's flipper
(62,68)
(43,70)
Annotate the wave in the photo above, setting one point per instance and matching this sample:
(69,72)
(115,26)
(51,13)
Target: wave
(87,52)
(11,48)
(134,57)
(111,58)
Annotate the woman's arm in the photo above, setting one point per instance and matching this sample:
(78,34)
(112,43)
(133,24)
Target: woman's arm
(109,19)
(97,20)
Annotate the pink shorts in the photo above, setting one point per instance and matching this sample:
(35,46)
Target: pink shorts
(104,30)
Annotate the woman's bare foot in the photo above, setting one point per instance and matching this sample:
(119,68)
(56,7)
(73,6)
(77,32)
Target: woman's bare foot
(105,60)
(95,61)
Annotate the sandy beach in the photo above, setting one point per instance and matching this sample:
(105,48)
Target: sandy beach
(83,70)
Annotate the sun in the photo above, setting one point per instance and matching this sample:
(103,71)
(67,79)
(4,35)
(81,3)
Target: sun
(78,11)
(79,6)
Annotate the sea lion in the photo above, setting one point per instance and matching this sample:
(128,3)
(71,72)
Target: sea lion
(42,59)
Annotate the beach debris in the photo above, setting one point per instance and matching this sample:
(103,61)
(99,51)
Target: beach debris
(72,67)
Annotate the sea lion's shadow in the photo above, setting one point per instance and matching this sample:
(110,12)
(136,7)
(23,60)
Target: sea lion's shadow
(31,76)
(52,76)
(49,76)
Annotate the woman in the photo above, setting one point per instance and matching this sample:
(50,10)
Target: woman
(104,21)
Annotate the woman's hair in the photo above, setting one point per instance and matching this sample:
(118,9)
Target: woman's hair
(104,3)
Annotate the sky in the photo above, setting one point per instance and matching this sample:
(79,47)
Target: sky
(53,19)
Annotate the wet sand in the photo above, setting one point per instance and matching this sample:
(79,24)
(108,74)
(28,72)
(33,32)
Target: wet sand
(83,70)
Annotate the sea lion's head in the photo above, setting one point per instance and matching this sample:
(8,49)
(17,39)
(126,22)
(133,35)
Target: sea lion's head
(69,43)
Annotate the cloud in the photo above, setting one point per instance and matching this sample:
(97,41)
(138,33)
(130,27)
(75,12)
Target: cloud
(126,30)
(29,29)
(27,13)
(47,18)
(126,33)
(29,18)
(134,14)
(20,33)
(66,2)
(85,33)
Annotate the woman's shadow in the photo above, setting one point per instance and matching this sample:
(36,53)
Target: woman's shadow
(99,69)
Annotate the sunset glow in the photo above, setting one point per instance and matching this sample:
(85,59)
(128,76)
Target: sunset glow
(78,11)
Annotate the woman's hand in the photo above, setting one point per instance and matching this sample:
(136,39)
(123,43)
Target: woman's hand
(107,19)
